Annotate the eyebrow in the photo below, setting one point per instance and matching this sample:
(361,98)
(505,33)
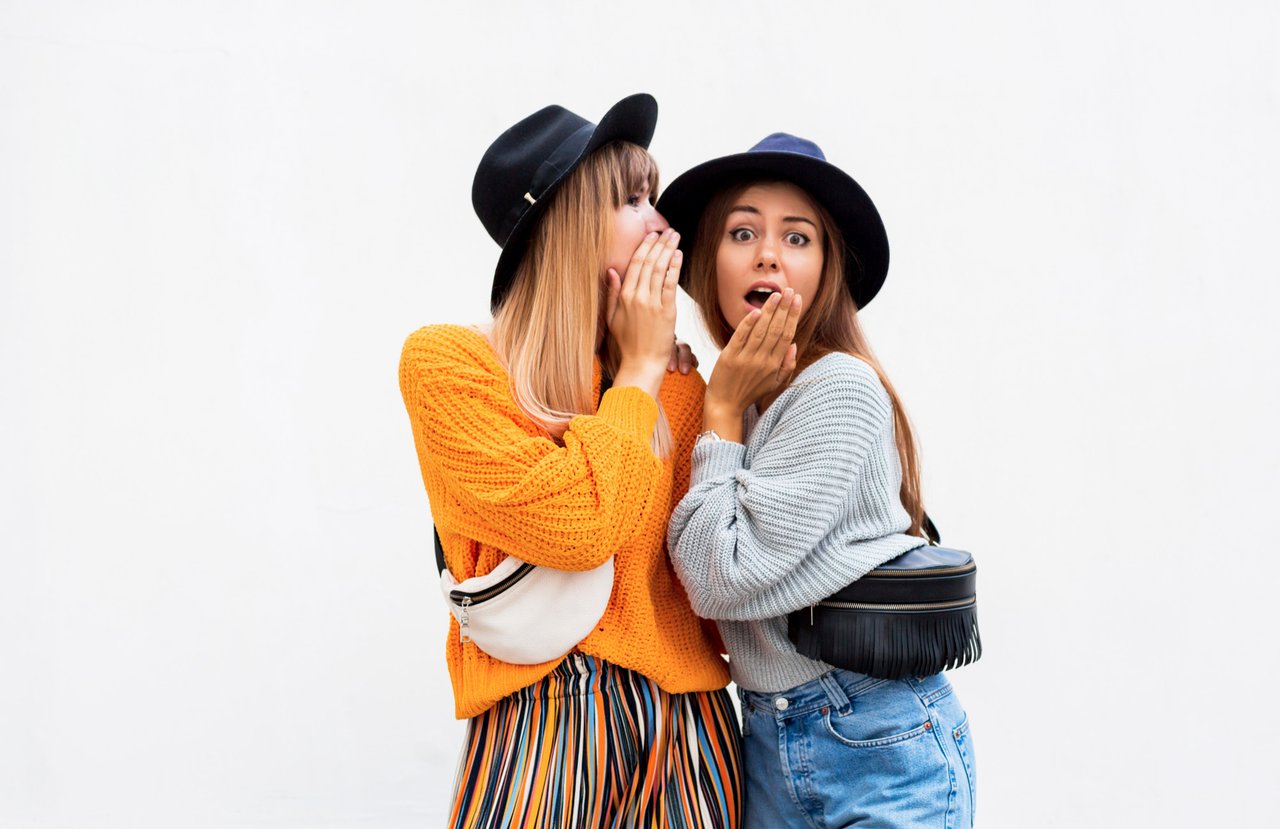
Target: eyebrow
(746,208)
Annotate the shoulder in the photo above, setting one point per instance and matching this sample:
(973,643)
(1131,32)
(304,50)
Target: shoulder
(841,377)
(448,360)
(677,388)
(438,346)
(839,392)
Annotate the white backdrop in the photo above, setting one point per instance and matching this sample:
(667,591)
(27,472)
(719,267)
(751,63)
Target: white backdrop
(218,221)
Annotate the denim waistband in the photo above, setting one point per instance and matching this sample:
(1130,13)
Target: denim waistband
(835,689)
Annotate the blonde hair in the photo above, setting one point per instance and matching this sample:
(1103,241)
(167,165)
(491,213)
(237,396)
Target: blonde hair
(544,331)
(830,322)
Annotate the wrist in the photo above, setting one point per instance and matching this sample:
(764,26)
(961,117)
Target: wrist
(719,410)
(646,375)
(725,420)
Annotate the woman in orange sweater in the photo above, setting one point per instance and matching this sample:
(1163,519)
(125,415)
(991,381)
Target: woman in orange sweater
(521,455)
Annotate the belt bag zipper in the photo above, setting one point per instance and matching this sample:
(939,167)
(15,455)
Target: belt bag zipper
(896,608)
(921,573)
(461,597)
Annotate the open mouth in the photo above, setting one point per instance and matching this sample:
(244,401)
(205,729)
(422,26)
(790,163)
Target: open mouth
(759,295)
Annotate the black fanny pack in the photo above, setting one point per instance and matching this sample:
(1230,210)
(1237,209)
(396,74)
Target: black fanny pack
(915,615)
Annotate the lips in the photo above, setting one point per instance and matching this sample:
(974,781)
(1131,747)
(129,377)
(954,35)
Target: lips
(758,294)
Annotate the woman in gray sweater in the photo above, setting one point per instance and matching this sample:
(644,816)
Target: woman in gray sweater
(805,479)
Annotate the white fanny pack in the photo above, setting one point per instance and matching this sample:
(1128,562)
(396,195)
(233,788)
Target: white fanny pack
(525,614)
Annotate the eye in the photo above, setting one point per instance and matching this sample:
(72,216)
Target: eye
(796,238)
(634,199)
(742,234)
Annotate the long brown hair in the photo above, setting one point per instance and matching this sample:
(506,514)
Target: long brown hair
(830,322)
(545,330)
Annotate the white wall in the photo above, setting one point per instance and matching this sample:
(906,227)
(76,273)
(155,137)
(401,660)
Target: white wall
(218,221)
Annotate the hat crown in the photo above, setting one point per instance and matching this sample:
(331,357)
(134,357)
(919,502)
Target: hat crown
(782,142)
(517,163)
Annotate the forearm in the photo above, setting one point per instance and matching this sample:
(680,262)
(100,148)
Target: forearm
(568,506)
(733,535)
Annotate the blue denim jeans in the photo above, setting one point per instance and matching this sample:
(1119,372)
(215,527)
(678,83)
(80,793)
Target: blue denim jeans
(850,750)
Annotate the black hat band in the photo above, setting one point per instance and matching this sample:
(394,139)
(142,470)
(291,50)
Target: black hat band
(548,173)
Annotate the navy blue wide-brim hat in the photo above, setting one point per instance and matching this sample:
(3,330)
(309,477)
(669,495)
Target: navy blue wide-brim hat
(524,167)
(788,158)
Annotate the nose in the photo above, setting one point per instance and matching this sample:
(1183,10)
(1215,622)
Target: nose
(655,222)
(767,258)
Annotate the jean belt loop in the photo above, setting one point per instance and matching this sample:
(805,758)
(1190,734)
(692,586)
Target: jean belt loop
(839,700)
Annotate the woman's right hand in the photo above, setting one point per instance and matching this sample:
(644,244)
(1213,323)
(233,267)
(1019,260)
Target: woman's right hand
(756,363)
(641,311)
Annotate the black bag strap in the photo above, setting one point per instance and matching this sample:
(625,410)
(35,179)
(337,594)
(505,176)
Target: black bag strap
(439,550)
(606,383)
(931,530)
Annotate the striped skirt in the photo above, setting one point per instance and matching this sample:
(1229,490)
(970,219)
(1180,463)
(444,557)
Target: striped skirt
(595,745)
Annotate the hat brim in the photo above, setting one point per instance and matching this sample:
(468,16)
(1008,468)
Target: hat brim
(632,119)
(866,244)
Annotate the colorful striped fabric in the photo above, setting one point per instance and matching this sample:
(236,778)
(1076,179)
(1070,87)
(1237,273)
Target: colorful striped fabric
(595,745)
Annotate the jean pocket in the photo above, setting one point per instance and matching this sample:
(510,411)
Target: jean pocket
(964,745)
(859,731)
(890,762)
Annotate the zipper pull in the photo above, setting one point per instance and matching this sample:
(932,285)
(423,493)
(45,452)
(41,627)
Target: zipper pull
(464,623)
(810,615)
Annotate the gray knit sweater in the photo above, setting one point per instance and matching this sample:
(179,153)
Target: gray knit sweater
(809,504)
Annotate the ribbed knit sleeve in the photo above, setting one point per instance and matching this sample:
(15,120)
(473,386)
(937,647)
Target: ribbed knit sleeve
(569,507)
(754,537)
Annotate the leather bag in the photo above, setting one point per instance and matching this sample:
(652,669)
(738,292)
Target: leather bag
(914,615)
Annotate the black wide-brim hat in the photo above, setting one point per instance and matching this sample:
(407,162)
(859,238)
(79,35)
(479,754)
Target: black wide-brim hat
(524,167)
(785,157)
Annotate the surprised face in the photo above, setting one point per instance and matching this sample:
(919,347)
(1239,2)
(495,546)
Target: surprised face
(772,240)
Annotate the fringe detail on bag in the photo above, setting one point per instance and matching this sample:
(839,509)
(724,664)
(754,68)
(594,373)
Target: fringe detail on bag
(888,645)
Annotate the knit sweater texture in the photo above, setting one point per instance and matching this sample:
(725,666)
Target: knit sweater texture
(497,484)
(809,504)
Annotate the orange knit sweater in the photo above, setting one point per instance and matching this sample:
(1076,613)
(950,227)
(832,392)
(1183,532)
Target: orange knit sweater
(498,485)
